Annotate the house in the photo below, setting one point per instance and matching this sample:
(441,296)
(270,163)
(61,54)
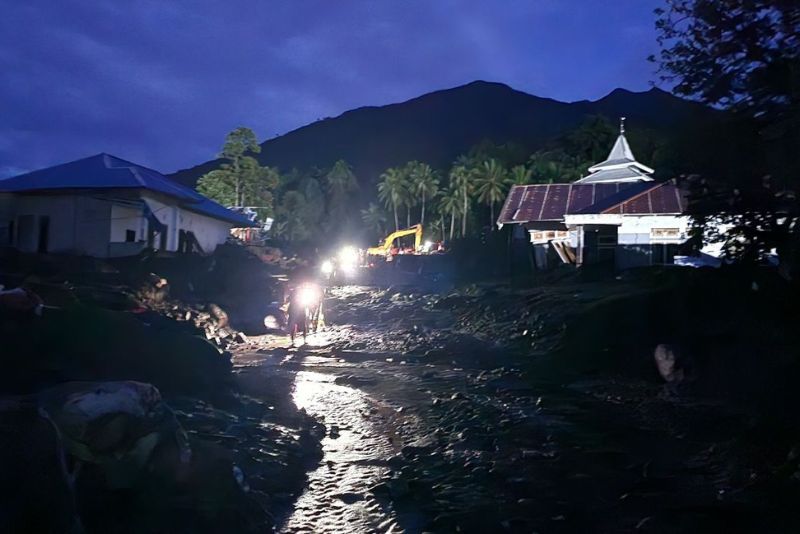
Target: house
(617,215)
(104,206)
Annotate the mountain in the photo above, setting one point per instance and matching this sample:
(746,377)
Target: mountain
(439,126)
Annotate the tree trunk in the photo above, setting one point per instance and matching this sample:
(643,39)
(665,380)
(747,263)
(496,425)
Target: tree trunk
(464,216)
(441,219)
(452,224)
(408,216)
(396,220)
(422,214)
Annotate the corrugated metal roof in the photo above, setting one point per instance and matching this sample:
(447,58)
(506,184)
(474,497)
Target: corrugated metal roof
(663,198)
(104,171)
(550,202)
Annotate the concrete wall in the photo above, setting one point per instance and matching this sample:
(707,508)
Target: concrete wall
(124,218)
(77,224)
(97,226)
(209,232)
(638,229)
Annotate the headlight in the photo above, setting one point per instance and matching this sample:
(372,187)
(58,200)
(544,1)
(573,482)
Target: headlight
(348,268)
(348,256)
(427,246)
(326,267)
(308,295)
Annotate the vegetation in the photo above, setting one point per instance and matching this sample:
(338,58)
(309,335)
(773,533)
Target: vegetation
(454,202)
(743,56)
(241,181)
(462,201)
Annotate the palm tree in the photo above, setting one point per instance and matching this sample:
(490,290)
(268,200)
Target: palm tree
(462,178)
(391,190)
(491,185)
(450,204)
(520,175)
(425,183)
(374,218)
(340,178)
(409,197)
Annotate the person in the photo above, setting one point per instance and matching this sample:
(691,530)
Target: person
(297,318)
(305,303)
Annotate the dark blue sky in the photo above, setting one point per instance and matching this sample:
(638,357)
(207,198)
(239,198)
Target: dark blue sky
(161,82)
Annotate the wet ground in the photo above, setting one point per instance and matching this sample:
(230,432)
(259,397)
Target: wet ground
(432,427)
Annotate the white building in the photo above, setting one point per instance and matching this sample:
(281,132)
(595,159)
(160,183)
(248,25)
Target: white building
(104,206)
(617,213)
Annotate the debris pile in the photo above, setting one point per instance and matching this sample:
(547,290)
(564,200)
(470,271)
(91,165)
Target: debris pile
(117,385)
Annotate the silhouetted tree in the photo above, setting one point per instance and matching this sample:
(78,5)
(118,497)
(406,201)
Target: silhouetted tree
(241,180)
(744,56)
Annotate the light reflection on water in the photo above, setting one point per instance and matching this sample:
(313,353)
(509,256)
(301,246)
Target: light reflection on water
(337,498)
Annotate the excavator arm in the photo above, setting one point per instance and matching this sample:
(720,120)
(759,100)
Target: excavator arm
(383,250)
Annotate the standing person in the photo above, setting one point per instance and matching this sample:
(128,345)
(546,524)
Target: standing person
(297,315)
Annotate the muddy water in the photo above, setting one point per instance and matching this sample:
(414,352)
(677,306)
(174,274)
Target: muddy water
(337,497)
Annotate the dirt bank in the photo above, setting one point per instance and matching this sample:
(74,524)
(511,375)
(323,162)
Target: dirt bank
(121,392)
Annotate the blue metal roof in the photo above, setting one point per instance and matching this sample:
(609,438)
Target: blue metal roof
(105,171)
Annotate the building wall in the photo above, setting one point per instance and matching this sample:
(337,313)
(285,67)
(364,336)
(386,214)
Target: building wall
(638,229)
(209,232)
(91,226)
(124,218)
(97,226)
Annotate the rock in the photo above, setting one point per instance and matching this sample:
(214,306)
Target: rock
(116,425)
(673,366)
(219,315)
(20,301)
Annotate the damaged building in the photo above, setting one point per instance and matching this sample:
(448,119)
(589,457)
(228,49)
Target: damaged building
(617,214)
(104,206)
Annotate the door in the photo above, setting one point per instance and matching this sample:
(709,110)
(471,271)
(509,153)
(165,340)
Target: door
(44,234)
(26,233)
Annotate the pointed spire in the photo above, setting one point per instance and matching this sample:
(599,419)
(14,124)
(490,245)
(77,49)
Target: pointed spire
(621,149)
(620,159)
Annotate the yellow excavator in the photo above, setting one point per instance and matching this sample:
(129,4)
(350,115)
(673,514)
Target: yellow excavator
(385,248)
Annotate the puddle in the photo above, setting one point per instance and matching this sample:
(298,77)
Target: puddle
(337,497)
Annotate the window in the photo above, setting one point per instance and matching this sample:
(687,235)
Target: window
(130,236)
(665,233)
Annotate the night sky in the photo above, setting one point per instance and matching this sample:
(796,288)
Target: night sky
(161,82)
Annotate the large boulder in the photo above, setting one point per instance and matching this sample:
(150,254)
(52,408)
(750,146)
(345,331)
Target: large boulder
(116,425)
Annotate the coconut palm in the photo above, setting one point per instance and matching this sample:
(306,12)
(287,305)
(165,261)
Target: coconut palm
(491,183)
(450,204)
(340,179)
(409,199)
(374,218)
(462,177)
(520,175)
(392,191)
(424,183)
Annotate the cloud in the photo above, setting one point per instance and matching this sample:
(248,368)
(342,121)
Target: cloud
(162,82)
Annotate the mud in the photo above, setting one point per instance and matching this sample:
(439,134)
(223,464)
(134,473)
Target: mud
(435,424)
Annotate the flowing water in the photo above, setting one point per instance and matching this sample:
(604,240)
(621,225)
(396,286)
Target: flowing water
(337,497)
